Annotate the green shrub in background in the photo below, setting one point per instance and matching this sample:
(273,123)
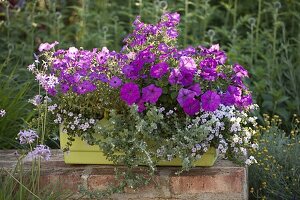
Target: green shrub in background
(264,36)
(277,174)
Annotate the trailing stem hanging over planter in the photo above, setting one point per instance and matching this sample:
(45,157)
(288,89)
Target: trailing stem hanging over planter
(152,101)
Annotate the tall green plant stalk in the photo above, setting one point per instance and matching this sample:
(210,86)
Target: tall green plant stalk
(186,12)
(259,10)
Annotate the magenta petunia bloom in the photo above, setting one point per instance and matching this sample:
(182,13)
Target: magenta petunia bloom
(175,76)
(240,71)
(158,70)
(187,65)
(130,93)
(151,93)
(185,94)
(84,87)
(210,100)
(115,82)
(232,95)
(141,105)
(196,88)
(191,106)
(172,33)
(246,101)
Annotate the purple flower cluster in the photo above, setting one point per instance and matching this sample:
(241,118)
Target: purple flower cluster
(149,67)
(40,151)
(27,136)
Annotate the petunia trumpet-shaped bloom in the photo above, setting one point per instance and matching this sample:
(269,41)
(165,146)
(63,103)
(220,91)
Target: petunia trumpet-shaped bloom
(151,93)
(210,100)
(185,94)
(130,93)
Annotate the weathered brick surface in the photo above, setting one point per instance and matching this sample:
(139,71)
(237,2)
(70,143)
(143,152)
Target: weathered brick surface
(224,181)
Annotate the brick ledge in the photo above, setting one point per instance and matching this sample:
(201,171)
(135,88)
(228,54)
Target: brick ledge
(223,181)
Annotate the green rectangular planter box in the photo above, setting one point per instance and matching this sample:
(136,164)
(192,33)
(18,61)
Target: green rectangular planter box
(83,153)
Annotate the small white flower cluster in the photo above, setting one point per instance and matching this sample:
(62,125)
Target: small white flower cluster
(250,160)
(226,118)
(2,112)
(77,122)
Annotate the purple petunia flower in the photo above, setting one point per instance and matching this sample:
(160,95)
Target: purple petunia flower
(40,151)
(187,65)
(175,76)
(196,88)
(186,78)
(240,71)
(232,95)
(210,100)
(172,33)
(141,105)
(162,47)
(146,56)
(27,136)
(246,101)
(84,87)
(151,93)
(103,77)
(130,93)
(191,106)
(158,70)
(185,94)
(115,82)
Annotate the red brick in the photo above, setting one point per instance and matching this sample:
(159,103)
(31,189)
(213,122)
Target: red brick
(223,182)
(63,181)
(100,182)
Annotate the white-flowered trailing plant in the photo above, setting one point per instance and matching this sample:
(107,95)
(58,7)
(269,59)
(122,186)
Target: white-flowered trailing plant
(163,102)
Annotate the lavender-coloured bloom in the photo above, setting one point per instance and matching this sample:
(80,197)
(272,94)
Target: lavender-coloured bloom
(115,82)
(185,94)
(196,88)
(141,105)
(246,101)
(130,93)
(186,78)
(158,70)
(172,33)
(162,47)
(146,56)
(210,100)
(232,95)
(208,63)
(175,76)
(170,19)
(47,46)
(240,71)
(151,93)
(36,100)
(209,74)
(27,136)
(103,77)
(187,65)
(40,151)
(191,106)
(101,58)
(84,87)
(52,91)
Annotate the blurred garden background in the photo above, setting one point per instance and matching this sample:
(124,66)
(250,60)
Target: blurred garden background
(262,36)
